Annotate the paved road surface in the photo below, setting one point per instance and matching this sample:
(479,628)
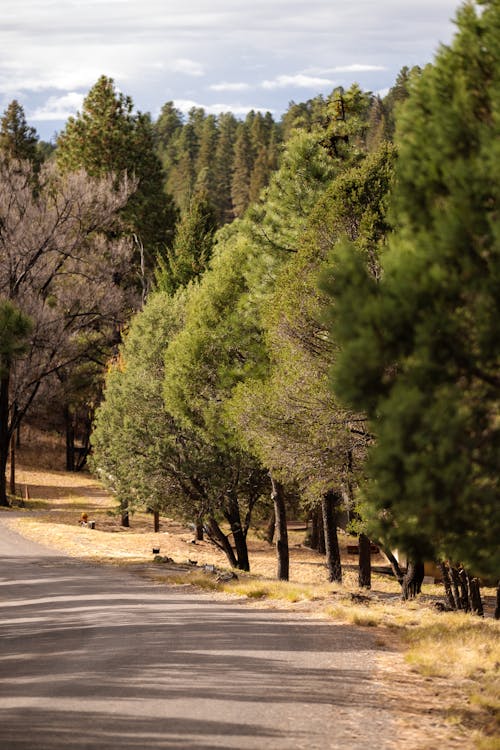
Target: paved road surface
(96,658)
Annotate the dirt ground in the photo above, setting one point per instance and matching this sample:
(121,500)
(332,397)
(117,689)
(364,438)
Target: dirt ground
(51,505)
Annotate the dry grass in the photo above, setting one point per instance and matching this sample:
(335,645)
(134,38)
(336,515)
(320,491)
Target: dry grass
(454,655)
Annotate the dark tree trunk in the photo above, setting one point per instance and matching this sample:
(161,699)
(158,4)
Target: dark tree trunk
(18,436)
(218,537)
(464,590)
(412,582)
(4,438)
(199,529)
(125,520)
(329,504)
(282,550)
(270,528)
(233,516)
(497,607)
(70,439)
(156,521)
(398,573)
(475,596)
(365,562)
(12,478)
(447,584)
(455,582)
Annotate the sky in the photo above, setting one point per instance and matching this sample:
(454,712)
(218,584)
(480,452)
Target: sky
(222,55)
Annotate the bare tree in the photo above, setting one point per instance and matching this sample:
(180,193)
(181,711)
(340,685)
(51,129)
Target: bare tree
(61,260)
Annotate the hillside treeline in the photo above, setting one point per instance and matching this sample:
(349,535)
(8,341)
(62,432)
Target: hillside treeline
(301,314)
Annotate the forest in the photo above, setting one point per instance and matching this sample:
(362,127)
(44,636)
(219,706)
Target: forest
(244,321)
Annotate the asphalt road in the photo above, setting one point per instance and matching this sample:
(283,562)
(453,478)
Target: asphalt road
(97,658)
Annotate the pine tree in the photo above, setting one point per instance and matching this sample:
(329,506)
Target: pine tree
(18,140)
(205,167)
(224,160)
(192,246)
(420,348)
(107,137)
(243,163)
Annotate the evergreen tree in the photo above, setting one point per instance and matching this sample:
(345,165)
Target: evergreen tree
(420,348)
(192,246)
(242,170)
(107,137)
(182,177)
(224,159)
(205,167)
(18,140)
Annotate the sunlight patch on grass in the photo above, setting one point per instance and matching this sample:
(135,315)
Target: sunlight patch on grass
(280,590)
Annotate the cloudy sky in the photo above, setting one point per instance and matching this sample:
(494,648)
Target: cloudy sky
(219,54)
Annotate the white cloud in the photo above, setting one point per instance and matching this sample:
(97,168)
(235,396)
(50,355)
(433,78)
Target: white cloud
(354,68)
(184,105)
(58,107)
(299,81)
(188,67)
(224,86)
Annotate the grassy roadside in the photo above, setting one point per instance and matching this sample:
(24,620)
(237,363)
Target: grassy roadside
(450,676)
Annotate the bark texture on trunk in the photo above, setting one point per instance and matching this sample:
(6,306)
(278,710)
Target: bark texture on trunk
(447,585)
(218,537)
(393,562)
(316,537)
(412,582)
(125,520)
(12,478)
(4,437)
(365,562)
(282,550)
(70,440)
(476,603)
(329,504)
(156,521)
(199,529)
(240,542)
(497,607)
(270,528)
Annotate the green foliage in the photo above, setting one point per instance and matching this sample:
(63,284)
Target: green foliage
(15,328)
(18,140)
(290,418)
(108,138)
(420,348)
(192,247)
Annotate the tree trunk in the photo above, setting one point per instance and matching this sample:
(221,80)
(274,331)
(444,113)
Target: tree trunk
(199,529)
(455,582)
(464,590)
(270,528)
(125,520)
(412,582)
(4,438)
(70,440)
(233,516)
(475,596)
(156,521)
(447,584)
(282,550)
(12,479)
(365,562)
(218,537)
(497,607)
(329,502)
(398,573)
